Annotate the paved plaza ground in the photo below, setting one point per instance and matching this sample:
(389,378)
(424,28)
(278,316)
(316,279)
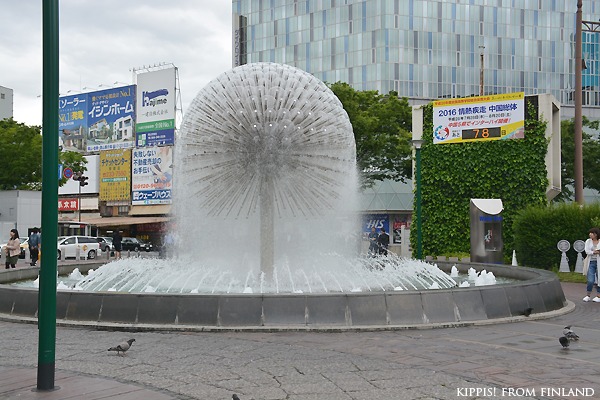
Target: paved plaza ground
(511,360)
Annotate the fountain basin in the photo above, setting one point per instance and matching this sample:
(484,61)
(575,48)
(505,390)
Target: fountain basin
(538,289)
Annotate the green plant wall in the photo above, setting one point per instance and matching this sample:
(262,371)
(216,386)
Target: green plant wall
(452,174)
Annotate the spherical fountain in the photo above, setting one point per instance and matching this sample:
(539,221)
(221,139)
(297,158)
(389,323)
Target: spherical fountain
(266,221)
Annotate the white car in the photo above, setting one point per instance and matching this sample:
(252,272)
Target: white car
(88,247)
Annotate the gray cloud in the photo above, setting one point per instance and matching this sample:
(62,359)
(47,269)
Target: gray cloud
(100,42)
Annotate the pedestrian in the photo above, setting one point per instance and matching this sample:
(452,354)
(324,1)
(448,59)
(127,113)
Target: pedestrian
(34,246)
(117,243)
(373,245)
(383,240)
(592,249)
(13,249)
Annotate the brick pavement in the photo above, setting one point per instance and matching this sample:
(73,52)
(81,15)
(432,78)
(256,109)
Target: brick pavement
(478,362)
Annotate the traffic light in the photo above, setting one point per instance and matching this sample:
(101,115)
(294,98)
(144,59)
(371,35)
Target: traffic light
(78,176)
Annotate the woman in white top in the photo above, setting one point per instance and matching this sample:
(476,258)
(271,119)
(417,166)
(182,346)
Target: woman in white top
(592,249)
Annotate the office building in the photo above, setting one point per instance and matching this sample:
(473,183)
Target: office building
(427,49)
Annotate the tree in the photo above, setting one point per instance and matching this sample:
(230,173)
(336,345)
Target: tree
(21,152)
(381,125)
(591,158)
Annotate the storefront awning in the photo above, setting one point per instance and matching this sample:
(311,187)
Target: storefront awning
(123,221)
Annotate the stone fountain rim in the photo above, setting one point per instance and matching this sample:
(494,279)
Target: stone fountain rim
(348,311)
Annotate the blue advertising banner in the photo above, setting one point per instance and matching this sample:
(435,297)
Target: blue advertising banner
(111,119)
(72,122)
(95,121)
(376,221)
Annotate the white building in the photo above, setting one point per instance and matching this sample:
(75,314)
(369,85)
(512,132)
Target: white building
(6,103)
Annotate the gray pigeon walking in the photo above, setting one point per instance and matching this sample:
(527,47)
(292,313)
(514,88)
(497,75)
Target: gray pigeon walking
(123,347)
(569,334)
(564,342)
(235,397)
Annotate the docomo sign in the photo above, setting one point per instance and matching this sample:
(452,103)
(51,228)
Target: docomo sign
(68,204)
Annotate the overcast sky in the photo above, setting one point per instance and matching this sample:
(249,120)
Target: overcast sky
(101,41)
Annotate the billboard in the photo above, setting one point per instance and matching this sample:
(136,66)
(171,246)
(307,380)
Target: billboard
(152,175)
(115,175)
(72,122)
(156,104)
(476,119)
(97,121)
(376,221)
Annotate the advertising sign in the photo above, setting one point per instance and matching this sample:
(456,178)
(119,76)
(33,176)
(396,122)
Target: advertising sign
(476,119)
(156,103)
(68,204)
(152,175)
(115,171)
(96,121)
(376,221)
(111,119)
(72,122)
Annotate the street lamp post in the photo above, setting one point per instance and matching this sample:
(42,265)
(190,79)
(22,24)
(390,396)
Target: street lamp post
(578,140)
(418,143)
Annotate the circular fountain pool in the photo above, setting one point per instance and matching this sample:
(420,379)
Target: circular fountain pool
(537,289)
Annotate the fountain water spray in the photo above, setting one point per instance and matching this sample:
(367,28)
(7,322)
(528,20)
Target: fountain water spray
(265,196)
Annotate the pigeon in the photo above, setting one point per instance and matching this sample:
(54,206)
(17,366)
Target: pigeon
(235,397)
(123,347)
(564,341)
(527,312)
(569,334)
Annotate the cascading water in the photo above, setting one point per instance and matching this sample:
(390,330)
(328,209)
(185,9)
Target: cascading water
(265,197)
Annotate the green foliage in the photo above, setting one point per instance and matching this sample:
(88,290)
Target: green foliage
(452,174)
(21,153)
(591,158)
(381,125)
(537,230)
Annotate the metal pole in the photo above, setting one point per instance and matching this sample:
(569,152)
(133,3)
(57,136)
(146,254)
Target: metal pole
(418,202)
(48,265)
(481,70)
(578,141)
(79,205)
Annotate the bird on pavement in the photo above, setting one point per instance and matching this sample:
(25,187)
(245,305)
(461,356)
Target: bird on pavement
(564,341)
(235,397)
(123,347)
(527,312)
(569,334)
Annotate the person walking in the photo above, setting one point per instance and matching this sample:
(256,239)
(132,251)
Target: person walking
(117,243)
(592,249)
(34,246)
(13,249)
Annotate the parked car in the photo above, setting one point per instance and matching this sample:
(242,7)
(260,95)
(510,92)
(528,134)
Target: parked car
(24,245)
(106,243)
(88,247)
(135,244)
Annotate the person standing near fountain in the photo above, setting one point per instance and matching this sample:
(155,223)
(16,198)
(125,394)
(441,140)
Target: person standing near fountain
(34,246)
(592,249)
(13,249)
(117,243)
(384,241)
(373,244)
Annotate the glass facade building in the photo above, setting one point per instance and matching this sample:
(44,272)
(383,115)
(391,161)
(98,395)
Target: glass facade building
(425,49)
